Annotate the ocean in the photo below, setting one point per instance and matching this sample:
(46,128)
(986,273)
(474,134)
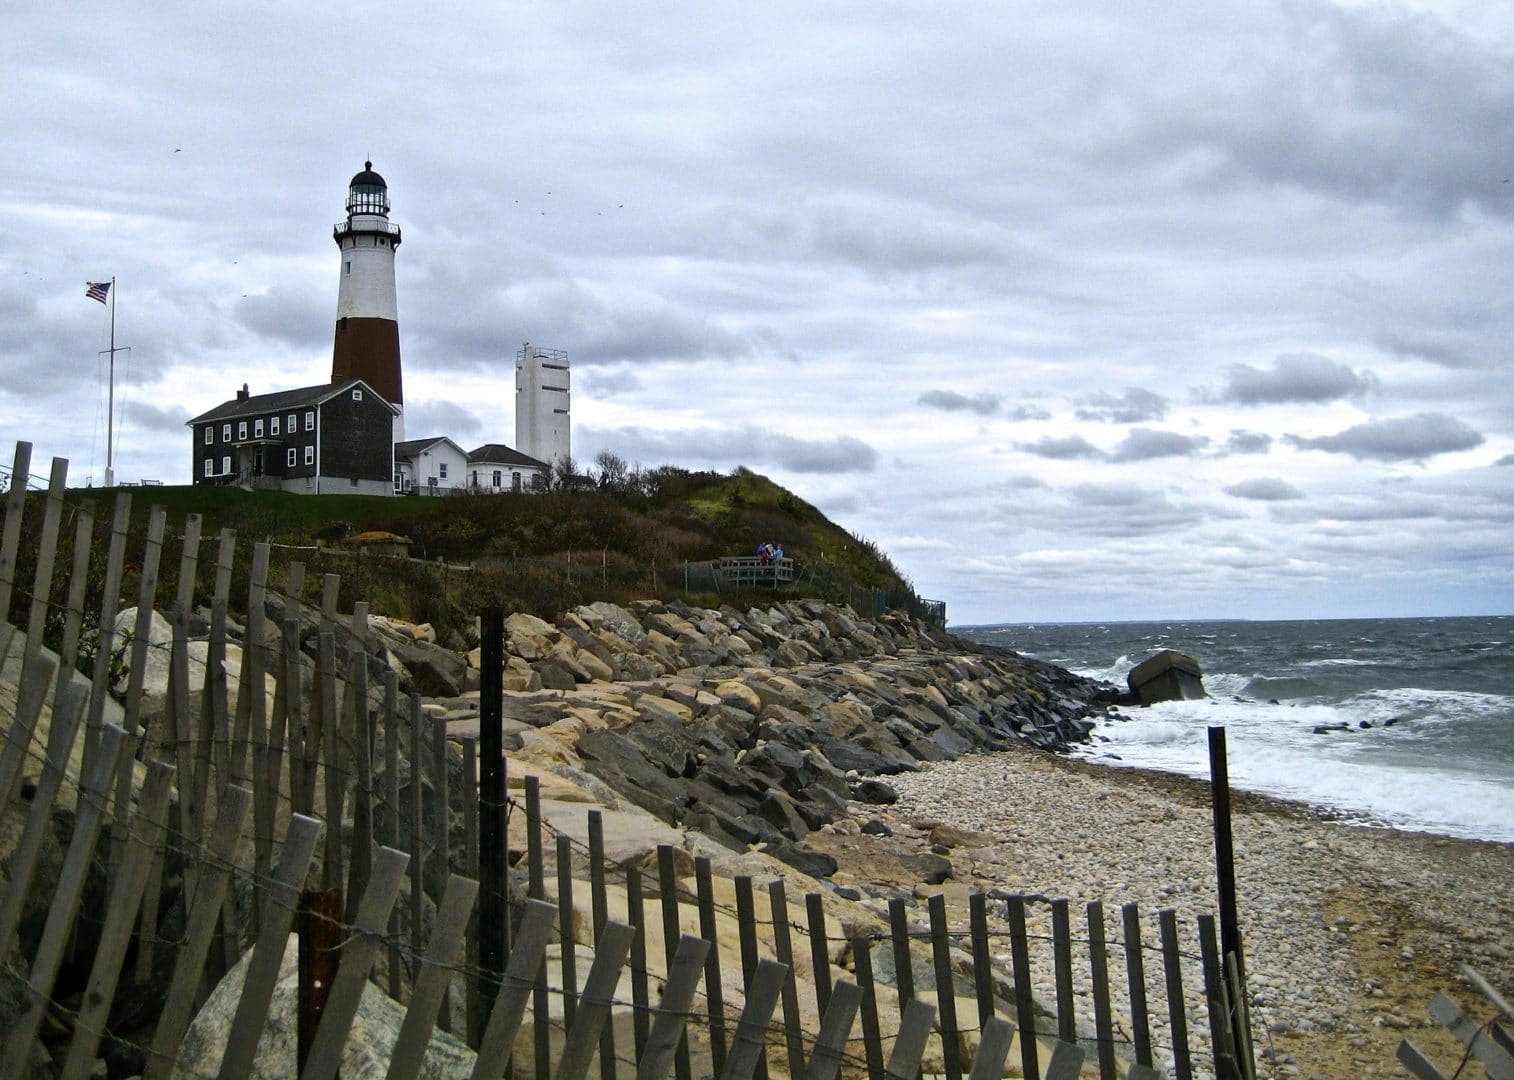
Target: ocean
(1428,704)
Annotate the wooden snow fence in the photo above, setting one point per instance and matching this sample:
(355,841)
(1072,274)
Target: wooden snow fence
(310,796)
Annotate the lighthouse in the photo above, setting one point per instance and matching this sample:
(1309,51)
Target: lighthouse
(367,344)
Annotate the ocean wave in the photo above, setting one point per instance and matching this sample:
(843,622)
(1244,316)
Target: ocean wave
(1339,661)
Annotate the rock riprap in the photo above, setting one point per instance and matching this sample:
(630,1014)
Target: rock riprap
(754,727)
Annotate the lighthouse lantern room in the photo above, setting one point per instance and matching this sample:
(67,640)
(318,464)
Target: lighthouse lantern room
(367,342)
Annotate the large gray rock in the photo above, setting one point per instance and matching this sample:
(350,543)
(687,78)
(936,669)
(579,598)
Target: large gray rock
(370,1045)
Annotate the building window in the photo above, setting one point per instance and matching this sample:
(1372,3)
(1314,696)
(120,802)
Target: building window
(257,429)
(209,466)
(309,455)
(226,433)
(292,426)
(515,481)
(273,426)
(310,420)
(497,475)
(441,469)
(357,395)
(226,466)
(399,482)
(210,434)
(349,266)
(293,458)
(242,431)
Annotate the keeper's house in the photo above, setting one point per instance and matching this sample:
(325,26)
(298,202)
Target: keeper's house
(326,439)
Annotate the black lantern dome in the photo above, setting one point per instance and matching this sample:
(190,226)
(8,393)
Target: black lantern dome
(368,194)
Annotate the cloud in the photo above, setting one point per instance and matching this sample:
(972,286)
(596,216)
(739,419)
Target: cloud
(1026,412)
(604,384)
(1063,449)
(984,404)
(152,418)
(1264,489)
(1125,511)
(1409,438)
(1507,459)
(292,315)
(1248,442)
(1293,377)
(426,418)
(1134,406)
(693,447)
(1143,444)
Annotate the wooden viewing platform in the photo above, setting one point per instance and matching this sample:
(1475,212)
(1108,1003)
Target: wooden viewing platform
(751,570)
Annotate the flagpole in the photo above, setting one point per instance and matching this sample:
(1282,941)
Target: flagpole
(110,407)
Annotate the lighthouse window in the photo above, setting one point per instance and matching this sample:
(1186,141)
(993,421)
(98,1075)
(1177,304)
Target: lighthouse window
(349,266)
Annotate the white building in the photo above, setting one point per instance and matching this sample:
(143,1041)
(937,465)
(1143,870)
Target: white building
(542,428)
(496,469)
(434,466)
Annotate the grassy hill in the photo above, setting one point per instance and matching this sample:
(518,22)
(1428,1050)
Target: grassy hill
(649,534)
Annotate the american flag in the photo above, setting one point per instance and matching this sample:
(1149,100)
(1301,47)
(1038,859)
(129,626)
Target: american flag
(97,290)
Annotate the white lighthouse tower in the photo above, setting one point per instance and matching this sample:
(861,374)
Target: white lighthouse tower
(367,344)
(542,395)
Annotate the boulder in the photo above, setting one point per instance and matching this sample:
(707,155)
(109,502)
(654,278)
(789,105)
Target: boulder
(1166,676)
(367,1053)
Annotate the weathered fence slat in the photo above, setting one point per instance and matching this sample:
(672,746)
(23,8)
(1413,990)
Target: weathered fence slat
(541,1026)
(73,603)
(713,991)
(10,541)
(746,919)
(105,641)
(68,709)
(1414,1059)
(762,992)
(668,1036)
(474,1007)
(282,895)
(1098,966)
(36,679)
(909,1047)
(361,863)
(565,933)
(872,1041)
(835,1029)
(114,747)
(1025,1006)
(529,947)
(358,953)
(904,979)
(667,888)
(993,1048)
(1135,973)
(1066,1062)
(252,703)
(47,554)
(599,903)
(442,953)
(983,976)
(946,996)
(1177,1014)
(820,951)
(1469,1033)
(783,952)
(1061,950)
(179,1001)
(599,995)
(120,913)
(327,740)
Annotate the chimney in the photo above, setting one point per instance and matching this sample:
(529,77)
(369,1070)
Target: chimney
(242,393)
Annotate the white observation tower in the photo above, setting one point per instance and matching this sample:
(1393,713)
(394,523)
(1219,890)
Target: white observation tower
(367,344)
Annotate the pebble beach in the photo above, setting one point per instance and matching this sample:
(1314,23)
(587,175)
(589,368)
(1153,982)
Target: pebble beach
(1348,930)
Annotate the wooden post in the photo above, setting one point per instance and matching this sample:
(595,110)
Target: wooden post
(904,978)
(540,1001)
(747,1048)
(493,883)
(105,642)
(1224,865)
(78,578)
(668,1039)
(946,997)
(47,553)
(637,916)
(872,1037)
(983,972)
(321,933)
(784,952)
(600,905)
(1098,965)
(713,990)
(1025,1011)
(10,540)
(431,984)
(1176,1013)
(909,1047)
(820,951)
(1061,948)
(515,987)
(565,934)
(746,919)
(1135,971)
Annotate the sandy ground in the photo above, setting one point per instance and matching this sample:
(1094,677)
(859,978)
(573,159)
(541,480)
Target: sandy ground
(1348,931)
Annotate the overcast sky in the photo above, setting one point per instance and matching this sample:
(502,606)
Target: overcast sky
(1084,312)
